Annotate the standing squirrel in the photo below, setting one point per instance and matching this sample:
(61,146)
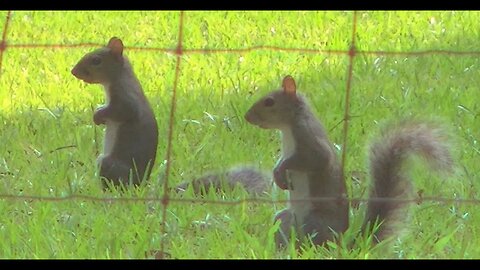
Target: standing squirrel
(131,136)
(309,168)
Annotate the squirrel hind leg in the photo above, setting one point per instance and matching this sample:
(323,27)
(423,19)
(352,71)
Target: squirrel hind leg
(115,172)
(284,233)
(319,232)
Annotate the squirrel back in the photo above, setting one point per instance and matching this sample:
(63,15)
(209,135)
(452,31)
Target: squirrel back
(253,180)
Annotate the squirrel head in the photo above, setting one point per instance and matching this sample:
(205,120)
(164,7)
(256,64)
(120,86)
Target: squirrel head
(277,109)
(100,65)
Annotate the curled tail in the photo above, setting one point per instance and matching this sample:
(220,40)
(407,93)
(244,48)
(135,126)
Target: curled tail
(253,181)
(387,158)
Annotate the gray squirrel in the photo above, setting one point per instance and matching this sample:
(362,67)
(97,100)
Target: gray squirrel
(309,168)
(131,136)
(254,181)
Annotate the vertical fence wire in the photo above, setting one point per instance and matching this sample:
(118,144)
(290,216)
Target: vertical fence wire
(346,117)
(3,42)
(165,200)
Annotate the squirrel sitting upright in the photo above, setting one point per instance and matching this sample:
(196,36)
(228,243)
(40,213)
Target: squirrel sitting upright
(131,128)
(309,168)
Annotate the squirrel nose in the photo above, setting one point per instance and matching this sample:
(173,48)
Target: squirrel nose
(248,117)
(74,71)
(78,71)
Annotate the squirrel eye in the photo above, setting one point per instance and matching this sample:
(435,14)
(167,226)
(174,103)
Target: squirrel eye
(96,61)
(268,102)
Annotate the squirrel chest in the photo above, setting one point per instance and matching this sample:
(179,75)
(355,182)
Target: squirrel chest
(111,132)
(111,128)
(298,180)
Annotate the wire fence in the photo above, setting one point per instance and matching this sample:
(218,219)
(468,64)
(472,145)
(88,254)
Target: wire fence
(165,200)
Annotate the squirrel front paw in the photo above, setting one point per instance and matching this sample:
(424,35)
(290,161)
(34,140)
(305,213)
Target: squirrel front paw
(280,176)
(98,117)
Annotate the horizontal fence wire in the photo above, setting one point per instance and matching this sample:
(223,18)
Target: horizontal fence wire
(80,197)
(186,51)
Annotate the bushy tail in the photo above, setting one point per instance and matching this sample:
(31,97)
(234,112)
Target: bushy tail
(387,159)
(253,181)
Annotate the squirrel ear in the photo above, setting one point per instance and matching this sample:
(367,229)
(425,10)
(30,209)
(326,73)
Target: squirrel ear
(289,86)
(116,46)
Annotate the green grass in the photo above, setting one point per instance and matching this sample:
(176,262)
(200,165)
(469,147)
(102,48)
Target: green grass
(43,108)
